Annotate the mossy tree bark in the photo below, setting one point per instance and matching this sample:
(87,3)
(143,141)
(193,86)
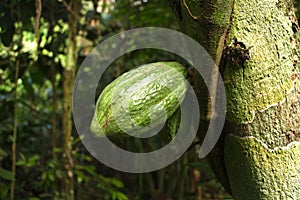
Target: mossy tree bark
(68,82)
(255,47)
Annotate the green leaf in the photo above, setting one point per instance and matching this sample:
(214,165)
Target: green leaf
(4,188)
(51,176)
(22,161)
(2,154)
(7,175)
(119,196)
(117,183)
(32,160)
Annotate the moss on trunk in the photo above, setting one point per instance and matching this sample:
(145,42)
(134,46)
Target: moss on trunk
(259,172)
(254,45)
(262,159)
(208,22)
(262,78)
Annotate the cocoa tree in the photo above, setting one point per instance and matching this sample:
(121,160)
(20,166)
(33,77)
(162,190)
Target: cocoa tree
(254,45)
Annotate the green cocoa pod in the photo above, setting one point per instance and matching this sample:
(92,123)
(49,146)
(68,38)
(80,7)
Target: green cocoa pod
(140,100)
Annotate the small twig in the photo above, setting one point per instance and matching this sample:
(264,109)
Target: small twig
(68,6)
(54,109)
(15,123)
(14,136)
(38,11)
(189,11)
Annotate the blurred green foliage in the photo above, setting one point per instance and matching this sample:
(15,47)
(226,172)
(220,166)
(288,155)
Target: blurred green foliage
(39,100)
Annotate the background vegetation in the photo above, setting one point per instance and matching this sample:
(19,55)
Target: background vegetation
(36,154)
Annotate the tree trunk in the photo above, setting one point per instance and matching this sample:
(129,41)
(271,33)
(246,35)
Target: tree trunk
(254,45)
(68,81)
(15,134)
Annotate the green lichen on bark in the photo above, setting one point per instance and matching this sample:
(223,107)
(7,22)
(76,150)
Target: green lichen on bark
(277,125)
(213,16)
(210,30)
(258,172)
(262,28)
(260,76)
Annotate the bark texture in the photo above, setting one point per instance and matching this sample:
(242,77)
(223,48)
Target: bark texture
(261,149)
(257,171)
(68,82)
(208,23)
(254,45)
